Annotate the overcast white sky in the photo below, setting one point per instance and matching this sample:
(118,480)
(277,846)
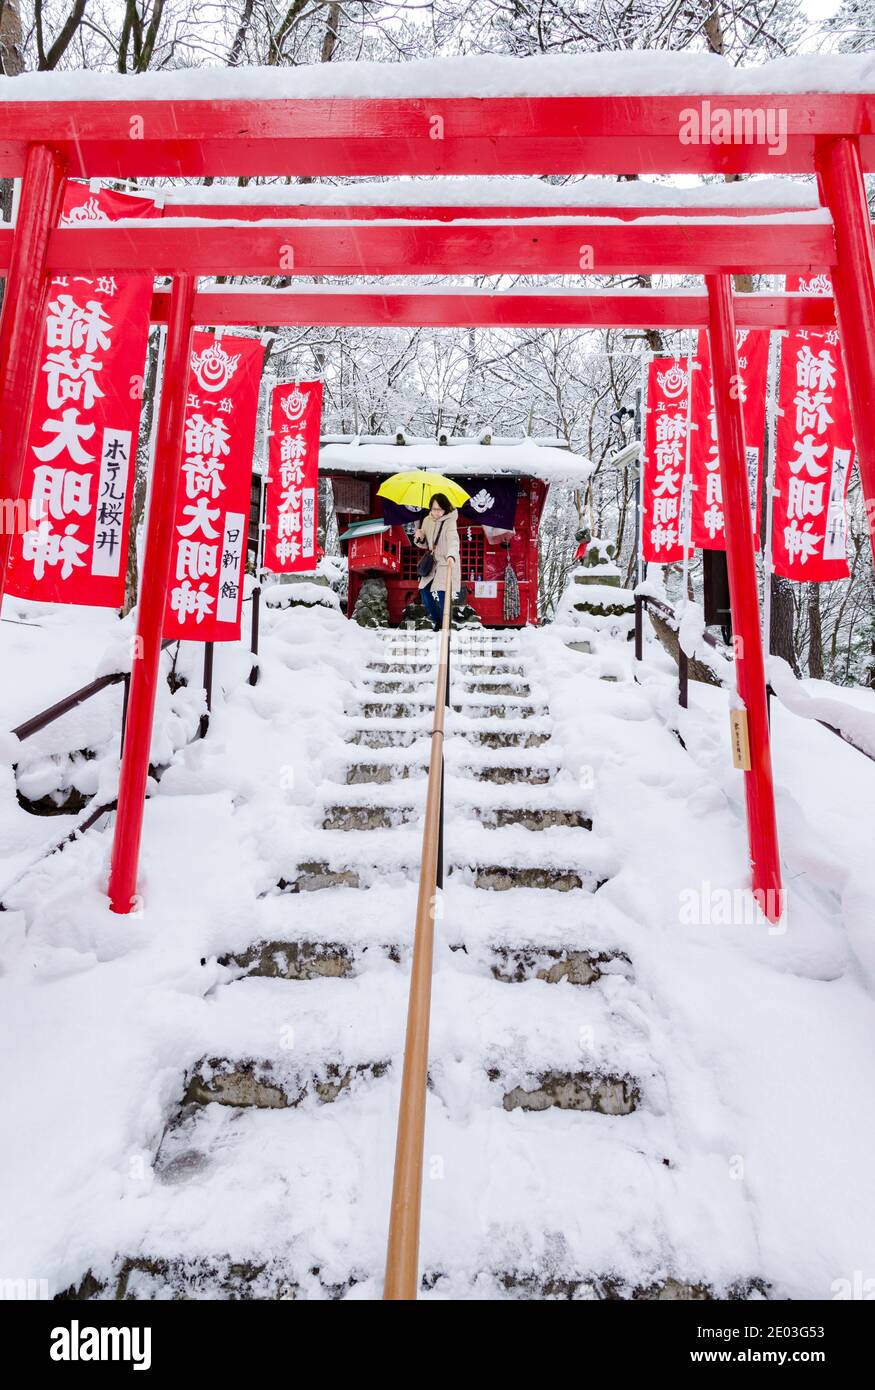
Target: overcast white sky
(820,9)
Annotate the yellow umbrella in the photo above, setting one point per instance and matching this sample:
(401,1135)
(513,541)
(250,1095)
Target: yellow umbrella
(417,487)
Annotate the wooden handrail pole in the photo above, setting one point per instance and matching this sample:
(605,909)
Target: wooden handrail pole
(402,1253)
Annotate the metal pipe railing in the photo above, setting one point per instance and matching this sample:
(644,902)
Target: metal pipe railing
(253,641)
(402,1252)
(683,671)
(204,723)
(78,697)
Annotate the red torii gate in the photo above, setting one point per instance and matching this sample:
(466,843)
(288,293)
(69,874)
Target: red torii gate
(827,134)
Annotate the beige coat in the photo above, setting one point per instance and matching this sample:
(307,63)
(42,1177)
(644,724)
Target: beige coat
(447,544)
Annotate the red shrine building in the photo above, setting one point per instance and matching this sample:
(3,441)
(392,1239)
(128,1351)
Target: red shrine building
(507,480)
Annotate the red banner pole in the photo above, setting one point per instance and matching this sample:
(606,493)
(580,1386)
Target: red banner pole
(840,177)
(21,324)
(749,665)
(152,599)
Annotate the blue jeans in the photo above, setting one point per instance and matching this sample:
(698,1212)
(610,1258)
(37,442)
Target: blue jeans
(433,603)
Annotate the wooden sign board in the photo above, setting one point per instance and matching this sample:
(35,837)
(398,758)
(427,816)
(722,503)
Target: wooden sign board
(740,740)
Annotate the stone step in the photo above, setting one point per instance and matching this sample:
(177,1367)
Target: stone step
(477,640)
(522,934)
(314,875)
(255,1082)
(229,1279)
(313,960)
(511,739)
(500,877)
(384,773)
(580,1090)
(484,666)
(401,733)
(479,763)
(498,686)
(396,685)
(497,858)
(424,686)
(504,775)
(352,818)
(508,709)
(467,672)
(474,635)
(514,964)
(257,1042)
(296,960)
(389,733)
(383,668)
(473,707)
(467,653)
(535,818)
(554,1167)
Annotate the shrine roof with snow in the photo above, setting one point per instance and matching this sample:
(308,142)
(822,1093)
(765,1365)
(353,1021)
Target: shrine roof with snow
(547,459)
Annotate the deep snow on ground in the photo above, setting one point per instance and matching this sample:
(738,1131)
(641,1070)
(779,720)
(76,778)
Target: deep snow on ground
(752,1044)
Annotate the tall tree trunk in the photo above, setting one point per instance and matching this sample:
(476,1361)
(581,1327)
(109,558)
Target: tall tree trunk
(868,673)
(11,64)
(782,622)
(332,32)
(815,634)
(11,41)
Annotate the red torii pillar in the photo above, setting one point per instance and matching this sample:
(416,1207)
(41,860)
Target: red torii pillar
(842,189)
(24,304)
(749,664)
(154,581)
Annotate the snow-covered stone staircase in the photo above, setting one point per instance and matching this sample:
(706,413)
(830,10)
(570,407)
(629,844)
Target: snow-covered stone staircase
(546,1109)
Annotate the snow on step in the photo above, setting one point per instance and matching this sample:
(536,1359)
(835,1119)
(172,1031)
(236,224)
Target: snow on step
(462,758)
(490,731)
(296,935)
(271,1203)
(424,675)
(272,1044)
(469,706)
(369,806)
(294,1200)
(464,668)
(558,858)
(499,773)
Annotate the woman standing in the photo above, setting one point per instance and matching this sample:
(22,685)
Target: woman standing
(439,534)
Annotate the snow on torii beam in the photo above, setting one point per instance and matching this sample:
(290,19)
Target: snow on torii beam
(633,134)
(343,306)
(761,245)
(217,210)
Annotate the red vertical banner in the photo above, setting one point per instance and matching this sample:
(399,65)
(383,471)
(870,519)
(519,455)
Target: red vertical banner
(753,360)
(665,480)
(212,507)
(290,509)
(814,452)
(71,541)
